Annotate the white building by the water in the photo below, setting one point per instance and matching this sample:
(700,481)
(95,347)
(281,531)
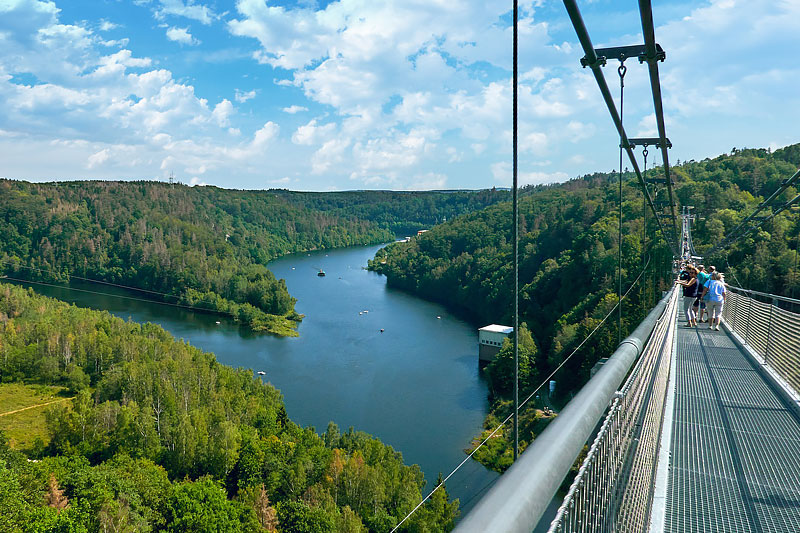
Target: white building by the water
(490,340)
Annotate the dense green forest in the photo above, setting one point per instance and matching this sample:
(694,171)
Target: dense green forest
(569,244)
(203,247)
(402,213)
(161,437)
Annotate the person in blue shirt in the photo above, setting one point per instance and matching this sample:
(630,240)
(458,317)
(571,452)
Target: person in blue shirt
(715,294)
(699,304)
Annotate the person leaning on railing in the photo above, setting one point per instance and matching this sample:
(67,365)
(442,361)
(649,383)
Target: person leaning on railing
(716,292)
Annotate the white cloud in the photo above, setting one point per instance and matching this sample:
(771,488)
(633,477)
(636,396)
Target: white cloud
(502,173)
(182,36)
(404,91)
(427,181)
(312,133)
(293,109)
(106,25)
(242,97)
(98,158)
(222,112)
(331,154)
(189,9)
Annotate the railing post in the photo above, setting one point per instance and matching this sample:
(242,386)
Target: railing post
(747,328)
(769,329)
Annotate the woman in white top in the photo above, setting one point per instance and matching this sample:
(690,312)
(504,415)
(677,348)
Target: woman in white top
(715,289)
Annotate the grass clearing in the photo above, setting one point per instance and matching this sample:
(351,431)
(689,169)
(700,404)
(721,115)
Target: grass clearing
(23,426)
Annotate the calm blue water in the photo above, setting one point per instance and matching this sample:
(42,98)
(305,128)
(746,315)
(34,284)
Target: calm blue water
(416,386)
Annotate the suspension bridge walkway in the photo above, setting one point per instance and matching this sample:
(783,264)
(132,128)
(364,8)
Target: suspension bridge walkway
(690,430)
(733,440)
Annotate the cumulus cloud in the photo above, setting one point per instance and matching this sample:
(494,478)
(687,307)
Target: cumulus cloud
(182,36)
(313,133)
(188,9)
(222,112)
(293,109)
(403,91)
(502,173)
(98,158)
(106,25)
(242,97)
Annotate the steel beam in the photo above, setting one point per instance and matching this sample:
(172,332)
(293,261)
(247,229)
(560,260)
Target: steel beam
(652,58)
(595,64)
(648,141)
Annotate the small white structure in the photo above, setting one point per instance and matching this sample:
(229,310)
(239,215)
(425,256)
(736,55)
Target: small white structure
(490,340)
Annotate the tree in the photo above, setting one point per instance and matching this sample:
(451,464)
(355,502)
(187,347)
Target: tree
(501,370)
(295,516)
(54,497)
(201,507)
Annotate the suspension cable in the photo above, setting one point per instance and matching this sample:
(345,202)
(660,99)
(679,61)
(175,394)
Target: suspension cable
(524,402)
(741,231)
(644,229)
(100,282)
(122,296)
(621,70)
(515,222)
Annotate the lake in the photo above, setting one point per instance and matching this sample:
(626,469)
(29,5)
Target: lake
(415,385)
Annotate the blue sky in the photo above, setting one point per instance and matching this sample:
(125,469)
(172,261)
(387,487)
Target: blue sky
(369,94)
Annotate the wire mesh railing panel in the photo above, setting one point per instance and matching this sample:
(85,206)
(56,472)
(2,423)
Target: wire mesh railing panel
(613,488)
(784,346)
(768,328)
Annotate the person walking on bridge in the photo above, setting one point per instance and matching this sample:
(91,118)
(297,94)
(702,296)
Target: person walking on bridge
(716,292)
(690,290)
(699,304)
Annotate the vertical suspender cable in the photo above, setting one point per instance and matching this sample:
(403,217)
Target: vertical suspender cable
(621,70)
(515,230)
(644,232)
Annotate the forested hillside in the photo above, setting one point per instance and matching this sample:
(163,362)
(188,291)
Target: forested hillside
(161,437)
(200,246)
(402,213)
(568,257)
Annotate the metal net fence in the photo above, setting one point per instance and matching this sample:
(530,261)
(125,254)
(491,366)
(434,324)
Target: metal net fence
(613,489)
(770,326)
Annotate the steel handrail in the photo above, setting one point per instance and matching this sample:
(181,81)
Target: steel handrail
(765,294)
(520,497)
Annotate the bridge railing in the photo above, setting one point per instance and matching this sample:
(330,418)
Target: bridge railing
(599,499)
(770,326)
(613,490)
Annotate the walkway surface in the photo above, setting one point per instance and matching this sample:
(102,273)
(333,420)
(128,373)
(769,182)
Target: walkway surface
(735,444)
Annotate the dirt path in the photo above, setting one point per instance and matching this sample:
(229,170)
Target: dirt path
(34,406)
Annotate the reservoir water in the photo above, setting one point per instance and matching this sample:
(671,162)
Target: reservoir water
(415,385)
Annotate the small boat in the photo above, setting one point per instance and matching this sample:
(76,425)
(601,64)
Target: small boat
(381,330)
(261,373)
(217,322)
(321,273)
(438,318)
(361,312)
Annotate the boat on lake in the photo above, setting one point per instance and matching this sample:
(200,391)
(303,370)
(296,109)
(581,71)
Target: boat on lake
(321,273)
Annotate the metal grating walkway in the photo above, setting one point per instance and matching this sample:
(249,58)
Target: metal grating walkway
(735,446)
